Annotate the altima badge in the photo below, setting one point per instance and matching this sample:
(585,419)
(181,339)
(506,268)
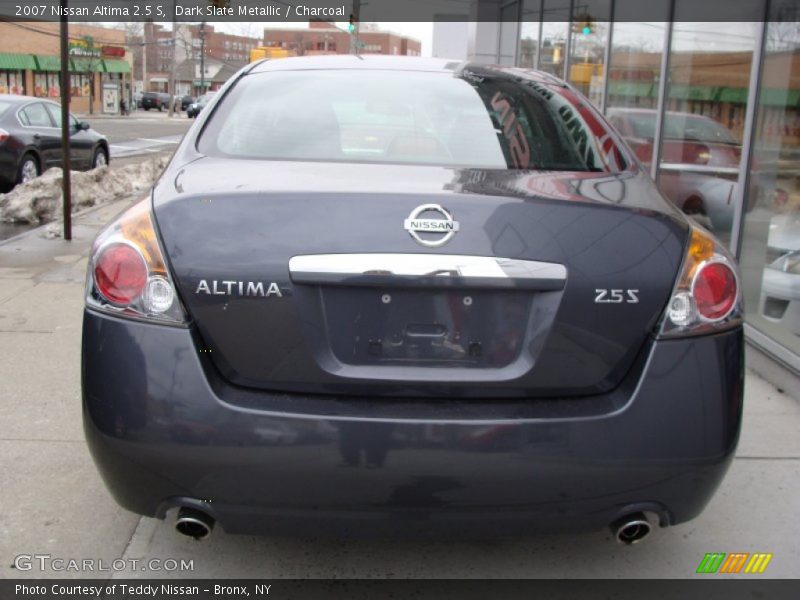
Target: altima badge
(431,232)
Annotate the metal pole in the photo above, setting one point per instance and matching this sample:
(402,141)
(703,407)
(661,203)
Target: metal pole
(66,165)
(568,45)
(172,93)
(742,190)
(607,59)
(538,63)
(202,58)
(662,94)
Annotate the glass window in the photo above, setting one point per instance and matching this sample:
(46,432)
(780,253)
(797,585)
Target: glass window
(589,36)
(554,36)
(37,116)
(475,118)
(707,95)
(529,34)
(12,82)
(770,247)
(55,113)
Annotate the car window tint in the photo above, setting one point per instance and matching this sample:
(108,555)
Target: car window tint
(476,118)
(55,113)
(37,115)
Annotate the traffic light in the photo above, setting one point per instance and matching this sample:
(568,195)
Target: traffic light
(352,26)
(584,25)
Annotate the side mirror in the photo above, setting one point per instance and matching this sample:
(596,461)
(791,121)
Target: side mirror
(83,126)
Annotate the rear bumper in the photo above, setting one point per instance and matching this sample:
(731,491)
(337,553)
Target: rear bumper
(164,430)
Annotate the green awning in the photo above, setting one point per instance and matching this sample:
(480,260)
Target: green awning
(115,65)
(630,88)
(48,63)
(16,62)
(732,95)
(688,92)
(86,65)
(779,97)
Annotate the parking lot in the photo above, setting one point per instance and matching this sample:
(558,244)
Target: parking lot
(55,504)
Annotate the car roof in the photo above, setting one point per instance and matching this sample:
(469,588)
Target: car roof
(393,63)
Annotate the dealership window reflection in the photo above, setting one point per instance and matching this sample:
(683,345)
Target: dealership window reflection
(770,256)
(707,95)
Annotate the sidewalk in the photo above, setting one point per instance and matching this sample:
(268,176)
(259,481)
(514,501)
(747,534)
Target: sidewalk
(54,502)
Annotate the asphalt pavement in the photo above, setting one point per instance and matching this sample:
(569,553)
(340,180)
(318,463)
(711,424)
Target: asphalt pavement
(140,133)
(54,503)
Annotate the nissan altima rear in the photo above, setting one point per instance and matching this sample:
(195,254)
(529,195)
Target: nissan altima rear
(375,296)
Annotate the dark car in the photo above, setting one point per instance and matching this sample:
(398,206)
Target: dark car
(458,272)
(195,107)
(156,100)
(30,140)
(186,101)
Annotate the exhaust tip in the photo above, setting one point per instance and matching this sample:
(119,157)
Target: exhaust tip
(631,529)
(194,523)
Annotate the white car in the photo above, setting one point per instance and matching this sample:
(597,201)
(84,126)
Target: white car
(780,284)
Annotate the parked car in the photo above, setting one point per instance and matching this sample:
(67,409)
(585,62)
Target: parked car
(156,100)
(186,101)
(458,269)
(699,162)
(195,107)
(780,284)
(30,140)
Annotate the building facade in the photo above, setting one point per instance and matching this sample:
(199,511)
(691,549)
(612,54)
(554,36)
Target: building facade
(324,37)
(99,64)
(153,53)
(712,109)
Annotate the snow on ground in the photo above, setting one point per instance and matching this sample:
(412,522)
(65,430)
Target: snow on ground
(40,200)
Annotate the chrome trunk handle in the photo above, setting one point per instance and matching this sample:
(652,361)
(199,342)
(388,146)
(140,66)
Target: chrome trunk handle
(426,270)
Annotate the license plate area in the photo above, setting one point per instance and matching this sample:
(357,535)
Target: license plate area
(464,328)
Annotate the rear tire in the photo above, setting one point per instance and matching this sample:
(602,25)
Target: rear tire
(28,169)
(99,158)
(146,108)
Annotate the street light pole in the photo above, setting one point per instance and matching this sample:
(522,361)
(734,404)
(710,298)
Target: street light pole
(172,75)
(202,57)
(66,165)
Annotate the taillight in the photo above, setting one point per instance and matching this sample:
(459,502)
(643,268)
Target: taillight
(3,135)
(706,296)
(120,273)
(127,272)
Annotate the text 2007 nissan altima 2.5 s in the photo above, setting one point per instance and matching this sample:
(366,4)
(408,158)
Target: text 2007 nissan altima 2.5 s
(398,296)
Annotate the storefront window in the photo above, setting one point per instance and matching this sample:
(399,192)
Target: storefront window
(707,95)
(529,34)
(12,82)
(554,36)
(46,85)
(770,247)
(80,84)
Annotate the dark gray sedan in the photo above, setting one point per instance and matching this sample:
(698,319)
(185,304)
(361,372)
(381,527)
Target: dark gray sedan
(30,140)
(409,297)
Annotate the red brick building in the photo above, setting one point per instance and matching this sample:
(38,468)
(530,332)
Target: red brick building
(222,47)
(324,37)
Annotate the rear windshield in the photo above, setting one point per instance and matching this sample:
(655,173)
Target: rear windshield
(466,119)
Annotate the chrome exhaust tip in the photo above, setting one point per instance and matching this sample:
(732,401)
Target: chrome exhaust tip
(194,523)
(631,529)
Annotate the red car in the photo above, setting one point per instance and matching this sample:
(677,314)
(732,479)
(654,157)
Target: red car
(699,161)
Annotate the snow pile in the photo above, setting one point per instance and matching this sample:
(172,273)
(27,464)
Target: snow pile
(40,199)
